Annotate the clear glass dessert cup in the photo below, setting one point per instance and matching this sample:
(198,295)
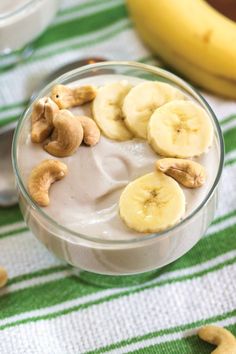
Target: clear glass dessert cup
(119,262)
(20,25)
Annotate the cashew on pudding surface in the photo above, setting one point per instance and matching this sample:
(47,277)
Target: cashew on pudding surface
(41,178)
(128,156)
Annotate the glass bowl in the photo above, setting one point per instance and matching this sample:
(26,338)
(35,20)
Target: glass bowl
(119,257)
(20,25)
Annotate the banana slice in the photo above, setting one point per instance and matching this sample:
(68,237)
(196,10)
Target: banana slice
(152,203)
(143,100)
(180,129)
(107,110)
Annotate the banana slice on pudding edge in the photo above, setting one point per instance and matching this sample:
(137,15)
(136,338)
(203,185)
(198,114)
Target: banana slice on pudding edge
(152,203)
(142,100)
(180,129)
(107,110)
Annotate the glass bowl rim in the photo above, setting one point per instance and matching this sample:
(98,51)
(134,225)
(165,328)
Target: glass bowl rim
(18,10)
(156,70)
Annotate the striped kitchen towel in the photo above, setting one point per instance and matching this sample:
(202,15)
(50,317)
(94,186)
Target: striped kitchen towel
(45,309)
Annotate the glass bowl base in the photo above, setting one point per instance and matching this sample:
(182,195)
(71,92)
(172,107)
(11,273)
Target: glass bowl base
(9,59)
(116,281)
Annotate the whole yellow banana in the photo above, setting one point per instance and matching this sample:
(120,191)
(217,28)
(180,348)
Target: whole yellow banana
(192,37)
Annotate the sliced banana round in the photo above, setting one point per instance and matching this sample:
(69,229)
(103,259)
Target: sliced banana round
(152,203)
(180,129)
(143,100)
(107,110)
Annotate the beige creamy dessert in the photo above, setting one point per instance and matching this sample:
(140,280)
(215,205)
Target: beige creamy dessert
(141,176)
(7,6)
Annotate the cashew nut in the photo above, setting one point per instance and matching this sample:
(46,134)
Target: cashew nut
(44,111)
(66,97)
(41,178)
(3,277)
(69,135)
(221,337)
(91,130)
(189,173)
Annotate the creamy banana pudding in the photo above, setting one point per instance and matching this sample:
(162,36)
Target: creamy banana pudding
(129,158)
(87,199)
(21,21)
